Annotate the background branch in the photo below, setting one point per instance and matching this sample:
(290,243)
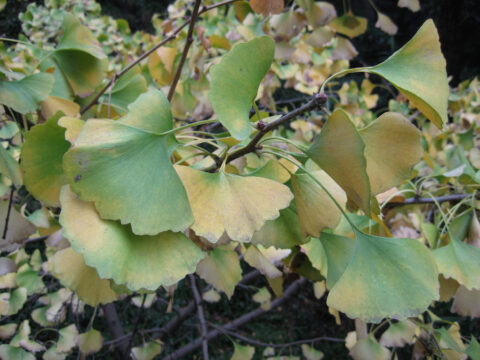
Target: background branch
(201,316)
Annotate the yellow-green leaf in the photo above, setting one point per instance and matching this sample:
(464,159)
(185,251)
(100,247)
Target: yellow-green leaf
(147,351)
(386,278)
(111,158)
(339,150)
(10,167)
(237,205)
(221,268)
(70,268)
(242,352)
(392,147)
(235,81)
(41,160)
(418,70)
(90,342)
(349,25)
(139,261)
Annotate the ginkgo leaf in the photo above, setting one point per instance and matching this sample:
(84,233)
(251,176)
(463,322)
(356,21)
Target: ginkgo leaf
(126,90)
(466,302)
(22,338)
(256,259)
(147,351)
(112,157)
(66,339)
(339,150)
(266,7)
(318,13)
(12,303)
(24,95)
(235,81)
(54,104)
(386,24)
(349,25)
(369,349)
(19,228)
(41,160)
(474,349)
(161,64)
(424,84)
(461,262)
(316,210)
(338,253)
(73,126)
(79,57)
(221,268)
(116,253)
(242,352)
(386,277)
(237,205)
(385,138)
(316,254)
(398,334)
(17,353)
(413,5)
(283,232)
(90,342)
(310,353)
(70,268)
(10,167)
(263,297)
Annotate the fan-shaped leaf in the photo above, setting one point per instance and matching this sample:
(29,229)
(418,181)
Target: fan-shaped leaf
(10,167)
(418,71)
(70,268)
(386,278)
(349,25)
(25,94)
(339,151)
(235,81)
(110,158)
(41,160)
(237,205)
(116,253)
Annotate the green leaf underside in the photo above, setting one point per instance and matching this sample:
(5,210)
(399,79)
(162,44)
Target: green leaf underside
(116,253)
(418,70)
(110,158)
(282,233)
(41,160)
(386,277)
(25,94)
(235,81)
(237,205)
(79,57)
(459,261)
(339,150)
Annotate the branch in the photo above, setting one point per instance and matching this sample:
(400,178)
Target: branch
(137,322)
(201,316)
(284,345)
(419,200)
(172,36)
(192,346)
(317,101)
(9,210)
(115,327)
(186,48)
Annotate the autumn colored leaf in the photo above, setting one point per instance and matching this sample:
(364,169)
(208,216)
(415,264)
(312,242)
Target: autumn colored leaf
(267,7)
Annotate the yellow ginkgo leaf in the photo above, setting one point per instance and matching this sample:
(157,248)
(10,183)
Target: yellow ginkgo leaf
(237,205)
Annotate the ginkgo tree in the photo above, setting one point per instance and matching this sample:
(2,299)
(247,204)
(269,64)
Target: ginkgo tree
(144,198)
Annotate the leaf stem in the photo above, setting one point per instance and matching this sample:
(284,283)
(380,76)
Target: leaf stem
(340,74)
(180,128)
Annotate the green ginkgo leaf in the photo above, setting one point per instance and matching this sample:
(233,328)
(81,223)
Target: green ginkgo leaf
(386,277)
(11,352)
(283,232)
(221,268)
(237,205)
(70,268)
(338,253)
(124,167)
(242,352)
(10,167)
(126,90)
(459,261)
(116,253)
(349,25)
(392,148)
(235,81)
(41,160)
(25,94)
(316,210)
(339,150)
(147,351)
(369,348)
(90,342)
(418,70)
(79,57)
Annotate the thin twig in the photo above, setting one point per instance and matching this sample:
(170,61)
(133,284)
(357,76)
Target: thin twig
(9,210)
(419,200)
(186,48)
(283,345)
(115,327)
(201,316)
(192,346)
(137,321)
(170,37)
